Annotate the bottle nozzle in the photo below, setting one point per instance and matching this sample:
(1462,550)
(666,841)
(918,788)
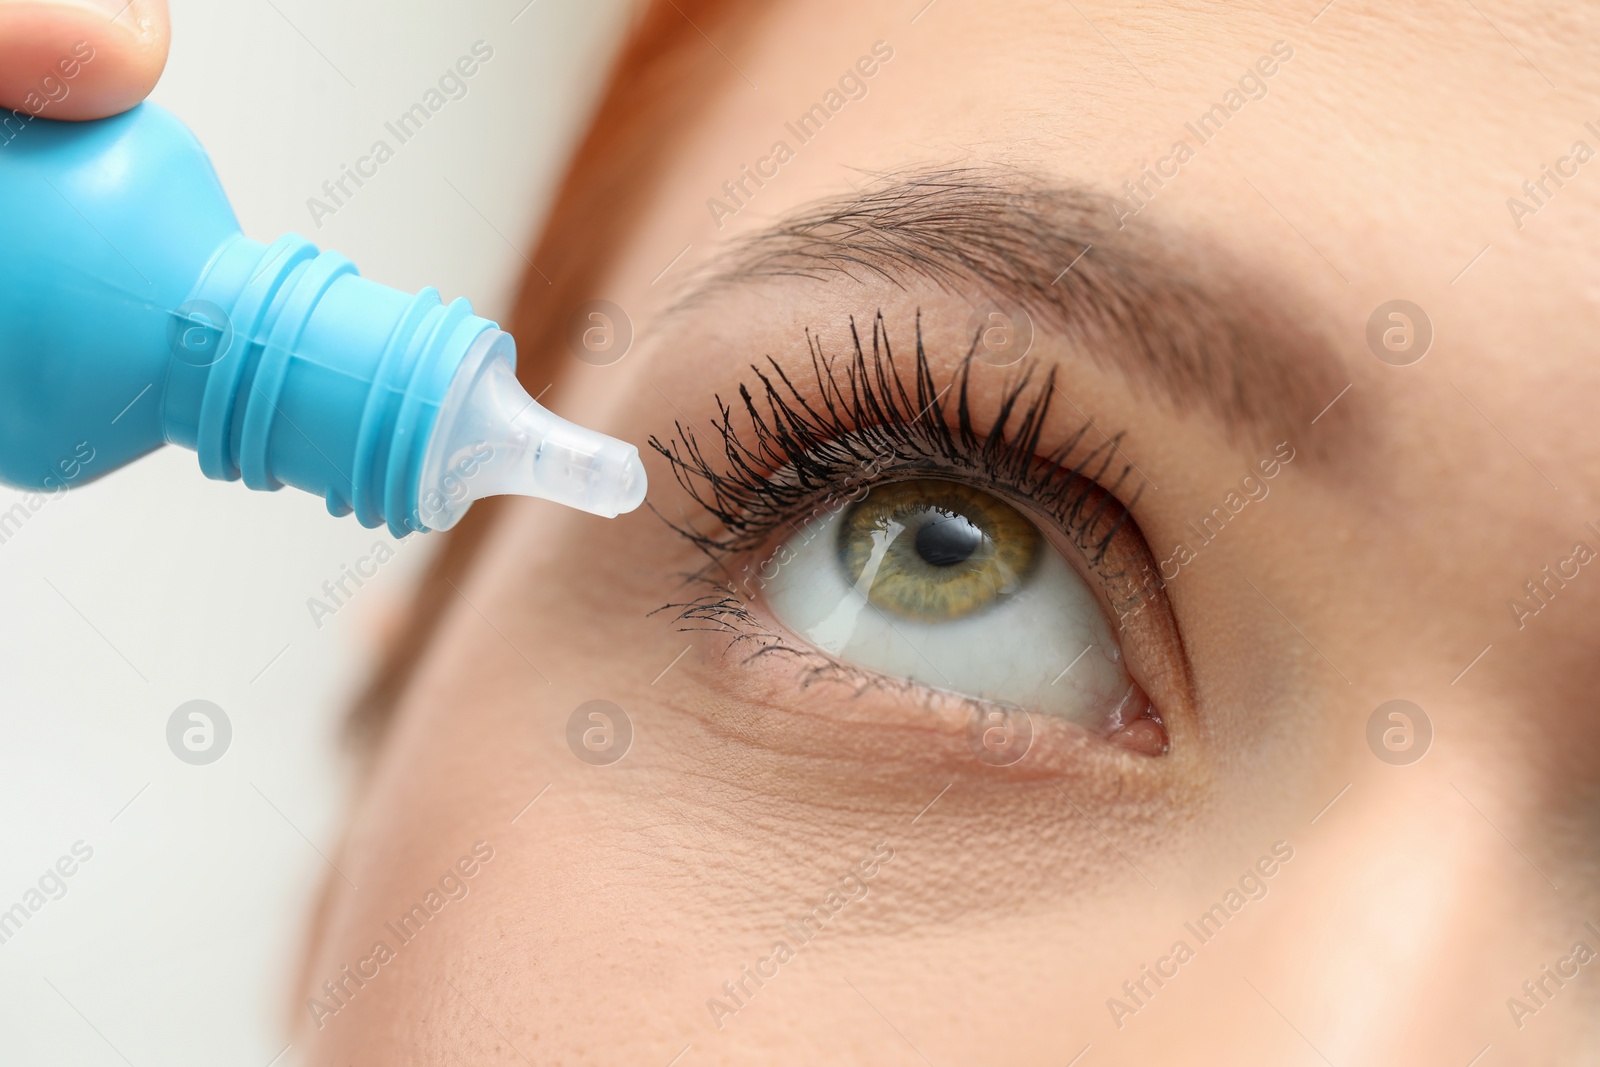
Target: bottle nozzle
(491,438)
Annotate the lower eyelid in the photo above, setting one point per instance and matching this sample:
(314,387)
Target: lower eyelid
(774,717)
(823,761)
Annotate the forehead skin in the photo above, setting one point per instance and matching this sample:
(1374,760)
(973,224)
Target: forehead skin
(1376,166)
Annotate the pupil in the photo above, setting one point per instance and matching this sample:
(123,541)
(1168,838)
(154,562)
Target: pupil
(948,540)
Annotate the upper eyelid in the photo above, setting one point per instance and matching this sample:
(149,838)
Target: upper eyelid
(863,414)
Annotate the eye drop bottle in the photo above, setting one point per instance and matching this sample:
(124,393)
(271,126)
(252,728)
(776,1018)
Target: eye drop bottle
(133,314)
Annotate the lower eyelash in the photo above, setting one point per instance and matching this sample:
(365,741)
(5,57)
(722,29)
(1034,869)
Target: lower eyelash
(802,451)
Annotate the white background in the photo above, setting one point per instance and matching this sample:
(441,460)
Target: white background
(124,598)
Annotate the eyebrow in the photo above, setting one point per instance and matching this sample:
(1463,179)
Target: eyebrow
(1176,318)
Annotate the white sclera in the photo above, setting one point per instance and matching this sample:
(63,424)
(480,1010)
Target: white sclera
(1014,650)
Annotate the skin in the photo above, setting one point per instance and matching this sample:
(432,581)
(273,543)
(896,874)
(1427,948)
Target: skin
(1017,904)
(130,49)
(1017,901)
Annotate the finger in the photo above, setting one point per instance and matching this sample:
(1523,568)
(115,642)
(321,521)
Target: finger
(80,59)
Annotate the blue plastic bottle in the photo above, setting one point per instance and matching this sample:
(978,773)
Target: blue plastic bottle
(133,314)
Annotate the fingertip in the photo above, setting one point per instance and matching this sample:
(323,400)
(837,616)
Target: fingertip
(80,60)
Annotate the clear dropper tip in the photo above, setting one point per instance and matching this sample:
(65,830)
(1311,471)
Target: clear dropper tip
(631,484)
(492,438)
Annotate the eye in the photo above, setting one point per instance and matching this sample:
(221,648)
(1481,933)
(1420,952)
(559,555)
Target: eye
(950,538)
(938,582)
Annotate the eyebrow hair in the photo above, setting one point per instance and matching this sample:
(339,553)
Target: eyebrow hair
(1132,301)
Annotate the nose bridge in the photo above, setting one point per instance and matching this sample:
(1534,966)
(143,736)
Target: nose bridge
(1415,909)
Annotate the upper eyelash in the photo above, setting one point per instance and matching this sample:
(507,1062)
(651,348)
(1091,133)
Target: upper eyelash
(802,449)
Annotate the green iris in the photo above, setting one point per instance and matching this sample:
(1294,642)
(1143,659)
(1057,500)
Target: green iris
(934,550)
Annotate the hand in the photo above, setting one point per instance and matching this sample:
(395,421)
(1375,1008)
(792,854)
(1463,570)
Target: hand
(80,59)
